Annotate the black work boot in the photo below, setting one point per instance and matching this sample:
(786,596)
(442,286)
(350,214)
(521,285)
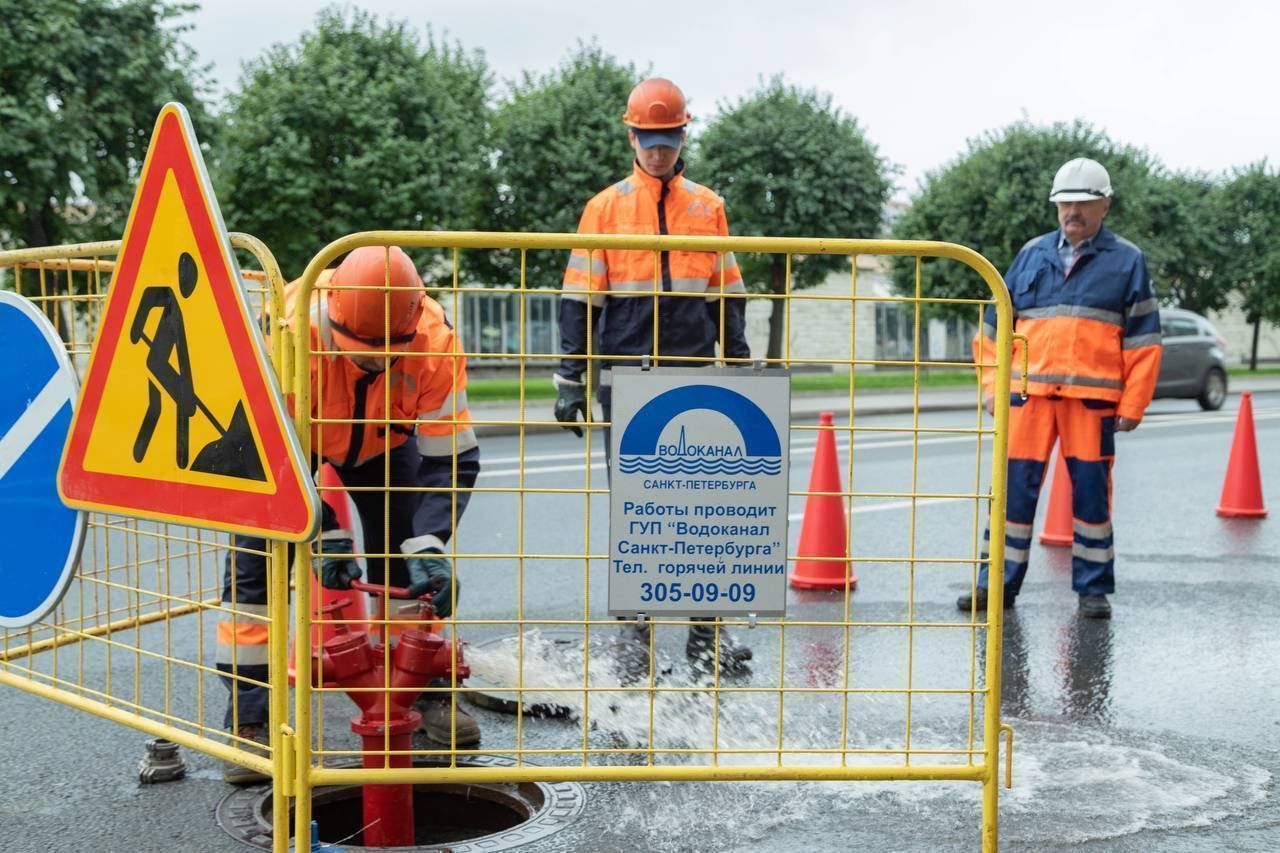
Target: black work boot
(630,652)
(236,774)
(979,599)
(1095,607)
(438,722)
(700,649)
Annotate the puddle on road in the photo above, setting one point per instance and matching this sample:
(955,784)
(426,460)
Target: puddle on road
(1073,784)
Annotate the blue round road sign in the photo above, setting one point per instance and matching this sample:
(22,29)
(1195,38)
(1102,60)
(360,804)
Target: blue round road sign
(40,537)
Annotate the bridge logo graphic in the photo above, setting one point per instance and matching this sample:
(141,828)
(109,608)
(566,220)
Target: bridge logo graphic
(754,451)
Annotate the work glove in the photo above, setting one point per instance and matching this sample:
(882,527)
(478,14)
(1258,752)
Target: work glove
(571,401)
(337,567)
(429,572)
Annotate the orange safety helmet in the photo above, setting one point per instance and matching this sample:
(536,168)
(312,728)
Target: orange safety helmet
(656,104)
(375,319)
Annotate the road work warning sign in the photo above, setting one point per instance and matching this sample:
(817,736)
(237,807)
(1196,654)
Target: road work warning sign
(698,492)
(179,417)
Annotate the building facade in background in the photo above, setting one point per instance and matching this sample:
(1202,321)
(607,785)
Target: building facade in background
(880,328)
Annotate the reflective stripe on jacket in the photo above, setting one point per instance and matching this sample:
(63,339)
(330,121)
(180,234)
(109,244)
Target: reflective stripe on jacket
(623,282)
(1094,330)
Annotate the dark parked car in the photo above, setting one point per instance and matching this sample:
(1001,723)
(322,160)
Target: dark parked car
(1195,359)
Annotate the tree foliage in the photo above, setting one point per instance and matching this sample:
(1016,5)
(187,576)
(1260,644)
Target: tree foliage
(1187,241)
(558,140)
(357,126)
(789,164)
(994,198)
(81,84)
(1253,198)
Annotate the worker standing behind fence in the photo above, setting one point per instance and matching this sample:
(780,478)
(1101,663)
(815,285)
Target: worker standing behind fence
(1083,298)
(351,330)
(614,288)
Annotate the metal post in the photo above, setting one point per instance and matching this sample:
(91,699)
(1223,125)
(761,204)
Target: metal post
(388,809)
(995,584)
(278,676)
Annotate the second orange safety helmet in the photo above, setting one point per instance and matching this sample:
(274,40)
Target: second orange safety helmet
(656,104)
(383,317)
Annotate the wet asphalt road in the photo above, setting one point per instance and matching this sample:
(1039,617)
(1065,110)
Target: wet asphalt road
(1158,730)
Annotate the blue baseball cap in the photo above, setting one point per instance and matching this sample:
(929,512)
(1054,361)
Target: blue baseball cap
(671,137)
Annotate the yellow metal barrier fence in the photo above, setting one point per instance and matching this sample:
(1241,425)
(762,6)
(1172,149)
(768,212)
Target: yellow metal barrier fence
(930,713)
(117,646)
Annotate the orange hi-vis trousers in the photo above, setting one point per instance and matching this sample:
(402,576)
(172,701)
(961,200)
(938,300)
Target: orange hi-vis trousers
(1085,430)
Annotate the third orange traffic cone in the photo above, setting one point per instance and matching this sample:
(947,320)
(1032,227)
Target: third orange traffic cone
(823,556)
(1057,516)
(1242,488)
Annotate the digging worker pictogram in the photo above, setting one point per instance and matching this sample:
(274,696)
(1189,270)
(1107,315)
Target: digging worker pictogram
(617,288)
(234,452)
(1083,298)
(374,311)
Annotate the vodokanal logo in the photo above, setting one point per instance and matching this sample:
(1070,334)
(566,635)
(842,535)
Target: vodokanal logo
(751,450)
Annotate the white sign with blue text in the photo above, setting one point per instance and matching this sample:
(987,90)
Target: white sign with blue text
(698,492)
(42,536)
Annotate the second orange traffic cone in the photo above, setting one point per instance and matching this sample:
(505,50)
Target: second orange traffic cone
(1057,516)
(1242,488)
(823,556)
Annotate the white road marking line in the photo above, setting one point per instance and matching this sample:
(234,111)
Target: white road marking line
(885,506)
(805,447)
(1192,420)
(52,397)
(597,459)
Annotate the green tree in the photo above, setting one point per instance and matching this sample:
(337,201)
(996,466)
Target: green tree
(558,140)
(994,198)
(356,126)
(1252,199)
(789,164)
(81,84)
(1188,241)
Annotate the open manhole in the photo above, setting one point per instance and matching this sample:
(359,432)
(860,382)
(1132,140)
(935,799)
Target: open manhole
(464,817)
(552,657)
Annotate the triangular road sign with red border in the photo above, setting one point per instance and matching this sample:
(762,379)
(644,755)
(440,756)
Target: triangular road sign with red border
(180,417)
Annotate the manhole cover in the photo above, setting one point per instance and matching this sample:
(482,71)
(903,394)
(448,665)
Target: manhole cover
(552,659)
(480,817)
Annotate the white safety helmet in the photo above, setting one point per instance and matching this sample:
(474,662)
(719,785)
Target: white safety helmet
(1081,179)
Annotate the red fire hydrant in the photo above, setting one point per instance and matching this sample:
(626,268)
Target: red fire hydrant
(387,720)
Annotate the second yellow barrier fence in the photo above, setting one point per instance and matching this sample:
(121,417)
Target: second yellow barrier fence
(876,681)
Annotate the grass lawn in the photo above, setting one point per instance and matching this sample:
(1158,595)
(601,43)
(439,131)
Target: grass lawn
(1241,370)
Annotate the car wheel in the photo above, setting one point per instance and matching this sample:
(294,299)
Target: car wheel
(1214,391)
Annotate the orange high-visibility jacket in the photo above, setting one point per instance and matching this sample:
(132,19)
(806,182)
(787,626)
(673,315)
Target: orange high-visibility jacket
(428,384)
(1094,330)
(624,282)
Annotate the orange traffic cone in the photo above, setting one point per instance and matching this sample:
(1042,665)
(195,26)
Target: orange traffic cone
(1242,488)
(321,597)
(823,531)
(1057,516)
(342,506)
